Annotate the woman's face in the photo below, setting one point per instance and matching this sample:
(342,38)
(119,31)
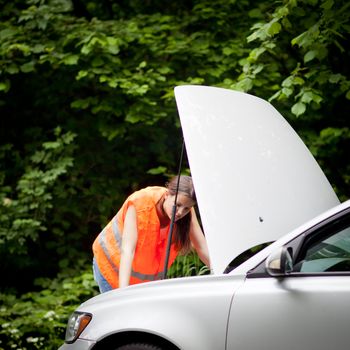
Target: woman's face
(184,205)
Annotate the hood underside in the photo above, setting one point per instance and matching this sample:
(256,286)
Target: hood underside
(255,180)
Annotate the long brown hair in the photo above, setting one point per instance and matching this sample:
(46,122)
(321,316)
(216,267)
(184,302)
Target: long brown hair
(182,227)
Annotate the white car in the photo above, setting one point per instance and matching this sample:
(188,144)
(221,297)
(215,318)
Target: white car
(255,182)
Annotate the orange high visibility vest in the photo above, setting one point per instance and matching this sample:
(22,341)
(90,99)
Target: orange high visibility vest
(150,252)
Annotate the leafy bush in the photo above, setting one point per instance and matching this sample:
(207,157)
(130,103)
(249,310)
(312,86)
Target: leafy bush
(37,320)
(30,188)
(187,265)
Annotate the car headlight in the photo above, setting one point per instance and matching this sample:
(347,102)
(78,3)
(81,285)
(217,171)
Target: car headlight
(77,322)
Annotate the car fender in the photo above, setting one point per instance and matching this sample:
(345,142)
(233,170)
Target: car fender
(183,311)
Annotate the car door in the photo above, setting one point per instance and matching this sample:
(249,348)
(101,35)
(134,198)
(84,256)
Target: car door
(309,308)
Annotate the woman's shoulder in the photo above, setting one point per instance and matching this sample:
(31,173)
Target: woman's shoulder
(149,192)
(147,196)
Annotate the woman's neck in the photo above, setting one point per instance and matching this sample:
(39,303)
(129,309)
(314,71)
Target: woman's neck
(162,216)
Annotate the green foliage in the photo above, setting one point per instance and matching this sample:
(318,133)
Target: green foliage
(37,320)
(305,41)
(25,206)
(187,265)
(330,147)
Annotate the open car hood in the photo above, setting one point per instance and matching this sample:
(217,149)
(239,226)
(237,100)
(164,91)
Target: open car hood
(255,180)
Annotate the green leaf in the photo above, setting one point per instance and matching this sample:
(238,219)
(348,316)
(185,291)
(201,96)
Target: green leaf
(97,62)
(165,70)
(327,5)
(274,28)
(287,91)
(255,13)
(260,33)
(25,49)
(335,78)
(133,118)
(6,33)
(245,85)
(317,98)
(307,97)
(113,83)
(298,108)
(5,85)
(143,64)
(298,81)
(113,45)
(12,69)
(308,37)
(282,11)
(80,104)
(275,95)
(255,53)
(51,145)
(258,68)
(348,95)
(82,74)
(71,60)
(288,82)
(38,48)
(27,67)
(157,171)
(310,55)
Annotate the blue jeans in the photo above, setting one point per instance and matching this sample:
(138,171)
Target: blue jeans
(103,285)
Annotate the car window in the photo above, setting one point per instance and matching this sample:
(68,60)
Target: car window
(326,252)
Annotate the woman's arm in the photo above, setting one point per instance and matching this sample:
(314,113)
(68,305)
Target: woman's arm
(198,240)
(128,247)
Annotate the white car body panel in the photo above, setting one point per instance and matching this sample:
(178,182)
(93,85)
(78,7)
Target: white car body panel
(288,314)
(250,170)
(79,344)
(182,309)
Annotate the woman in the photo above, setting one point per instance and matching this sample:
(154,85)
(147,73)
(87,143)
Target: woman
(132,247)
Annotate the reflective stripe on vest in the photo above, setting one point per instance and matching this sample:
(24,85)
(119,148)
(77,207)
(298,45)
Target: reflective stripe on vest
(103,243)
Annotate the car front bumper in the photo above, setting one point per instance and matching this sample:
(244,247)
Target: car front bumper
(79,344)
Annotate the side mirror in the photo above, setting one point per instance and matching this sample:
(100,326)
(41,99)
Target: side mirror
(279,263)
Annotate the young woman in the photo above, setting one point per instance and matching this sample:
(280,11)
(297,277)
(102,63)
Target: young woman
(132,247)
